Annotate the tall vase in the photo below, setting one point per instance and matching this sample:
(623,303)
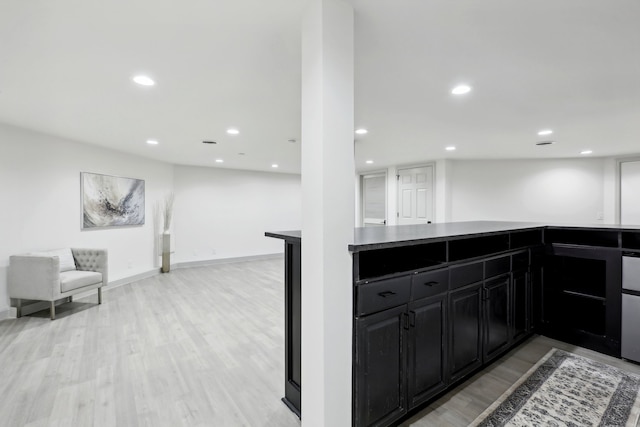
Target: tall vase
(166,252)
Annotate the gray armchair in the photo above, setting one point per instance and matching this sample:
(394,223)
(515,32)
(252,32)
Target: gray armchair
(51,276)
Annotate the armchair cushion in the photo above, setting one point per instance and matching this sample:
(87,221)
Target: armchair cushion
(70,280)
(67,262)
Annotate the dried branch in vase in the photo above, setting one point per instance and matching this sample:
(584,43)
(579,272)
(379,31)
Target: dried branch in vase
(168,210)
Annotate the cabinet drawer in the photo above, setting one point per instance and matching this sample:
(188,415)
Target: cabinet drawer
(429,283)
(465,274)
(497,266)
(377,296)
(520,261)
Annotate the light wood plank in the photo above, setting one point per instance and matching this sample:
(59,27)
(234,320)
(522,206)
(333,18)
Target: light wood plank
(195,347)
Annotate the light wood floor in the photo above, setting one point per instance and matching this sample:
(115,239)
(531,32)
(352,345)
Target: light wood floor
(195,347)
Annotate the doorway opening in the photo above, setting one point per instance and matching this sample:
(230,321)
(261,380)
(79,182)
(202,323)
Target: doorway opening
(374,199)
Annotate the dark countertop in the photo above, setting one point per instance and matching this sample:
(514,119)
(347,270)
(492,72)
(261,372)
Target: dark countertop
(380,237)
(367,238)
(294,235)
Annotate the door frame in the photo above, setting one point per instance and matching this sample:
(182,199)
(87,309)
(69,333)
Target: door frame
(372,174)
(618,190)
(433,185)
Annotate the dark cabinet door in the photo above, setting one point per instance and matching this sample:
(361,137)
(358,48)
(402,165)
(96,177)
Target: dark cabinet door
(496,310)
(535,282)
(521,305)
(427,348)
(380,367)
(465,333)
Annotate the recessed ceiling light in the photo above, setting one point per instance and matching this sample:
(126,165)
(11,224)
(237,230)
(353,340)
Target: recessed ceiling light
(586,152)
(461,90)
(152,142)
(369,162)
(361,131)
(545,132)
(219,161)
(233,131)
(450,148)
(144,80)
(274,165)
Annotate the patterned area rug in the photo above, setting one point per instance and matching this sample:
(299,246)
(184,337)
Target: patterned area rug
(564,389)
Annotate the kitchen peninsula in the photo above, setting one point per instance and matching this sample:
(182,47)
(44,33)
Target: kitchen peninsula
(434,303)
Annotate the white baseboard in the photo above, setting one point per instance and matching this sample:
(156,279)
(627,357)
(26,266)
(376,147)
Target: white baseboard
(130,279)
(10,312)
(7,313)
(208,262)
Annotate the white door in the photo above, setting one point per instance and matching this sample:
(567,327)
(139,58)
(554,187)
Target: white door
(630,193)
(374,199)
(415,195)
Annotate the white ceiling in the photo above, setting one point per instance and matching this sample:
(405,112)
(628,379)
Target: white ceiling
(569,65)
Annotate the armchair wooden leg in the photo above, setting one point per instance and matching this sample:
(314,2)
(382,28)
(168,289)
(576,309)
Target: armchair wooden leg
(70,298)
(99,295)
(53,310)
(19,308)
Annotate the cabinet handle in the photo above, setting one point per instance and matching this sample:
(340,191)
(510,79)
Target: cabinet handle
(412,319)
(405,321)
(432,283)
(386,294)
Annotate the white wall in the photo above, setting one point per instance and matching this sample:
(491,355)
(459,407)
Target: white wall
(40,200)
(549,190)
(543,190)
(442,190)
(611,184)
(224,213)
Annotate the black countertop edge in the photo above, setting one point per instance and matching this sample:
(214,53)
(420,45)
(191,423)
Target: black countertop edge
(294,235)
(371,238)
(417,240)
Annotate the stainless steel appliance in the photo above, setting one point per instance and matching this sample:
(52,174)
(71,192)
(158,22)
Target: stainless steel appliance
(630,343)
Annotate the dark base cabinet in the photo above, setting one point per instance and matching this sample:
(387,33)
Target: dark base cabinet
(431,310)
(380,380)
(427,349)
(293,327)
(581,297)
(417,334)
(521,305)
(497,335)
(465,330)
(401,360)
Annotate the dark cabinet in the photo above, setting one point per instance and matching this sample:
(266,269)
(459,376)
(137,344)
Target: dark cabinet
(465,333)
(380,367)
(417,334)
(293,327)
(427,348)
(496,316)
(581,301)
(401,352)
(521,305)
(535,282)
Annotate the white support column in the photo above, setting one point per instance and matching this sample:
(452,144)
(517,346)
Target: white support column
(328,173)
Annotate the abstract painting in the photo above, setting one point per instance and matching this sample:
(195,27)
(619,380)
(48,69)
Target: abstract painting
(111,201)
